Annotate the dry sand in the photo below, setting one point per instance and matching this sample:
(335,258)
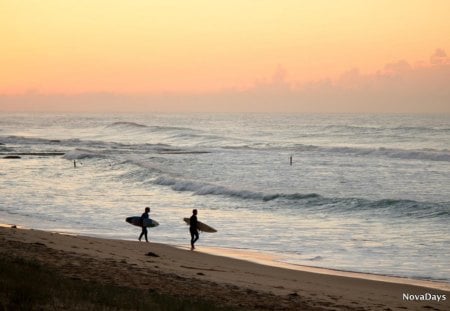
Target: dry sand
(220,279)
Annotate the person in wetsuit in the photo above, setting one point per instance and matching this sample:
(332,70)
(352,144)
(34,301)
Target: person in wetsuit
(144,228)
(193,228)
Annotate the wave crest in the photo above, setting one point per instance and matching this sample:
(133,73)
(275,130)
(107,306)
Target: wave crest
(125,124)
(78,154)
(411,154)
(315,201)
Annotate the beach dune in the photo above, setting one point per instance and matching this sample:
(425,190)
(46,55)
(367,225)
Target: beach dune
(219,279)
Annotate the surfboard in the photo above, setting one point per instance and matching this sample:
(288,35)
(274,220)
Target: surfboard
(136,221)
(201,226)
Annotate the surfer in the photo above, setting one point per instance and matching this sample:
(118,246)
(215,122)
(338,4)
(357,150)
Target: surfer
(193,228)
(144,228)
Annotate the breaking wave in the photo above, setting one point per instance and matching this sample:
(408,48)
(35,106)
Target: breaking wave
(407,208)
(123,124)
(153,128)
(393,129)
(420,154)
(78,154)
(199,188)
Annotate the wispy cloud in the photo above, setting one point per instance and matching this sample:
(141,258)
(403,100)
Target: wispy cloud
(439,57)
(423,87)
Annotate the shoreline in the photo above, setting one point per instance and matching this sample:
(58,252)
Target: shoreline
(270,260)
(223,280)
(262,258)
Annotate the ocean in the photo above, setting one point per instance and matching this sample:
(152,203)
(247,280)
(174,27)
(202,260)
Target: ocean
(364,193)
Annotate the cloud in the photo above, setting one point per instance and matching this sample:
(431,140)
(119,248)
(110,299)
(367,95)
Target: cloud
(398,87)
(277,83)
(400,67)
(439,57)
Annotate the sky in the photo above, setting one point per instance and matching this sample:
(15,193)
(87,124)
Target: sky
(227,56)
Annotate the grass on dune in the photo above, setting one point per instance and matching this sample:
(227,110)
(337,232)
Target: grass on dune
(28,285)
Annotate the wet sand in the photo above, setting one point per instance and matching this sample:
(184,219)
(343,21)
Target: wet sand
(255,281)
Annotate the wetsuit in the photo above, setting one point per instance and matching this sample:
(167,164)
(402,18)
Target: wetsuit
(193,229)
(144,228)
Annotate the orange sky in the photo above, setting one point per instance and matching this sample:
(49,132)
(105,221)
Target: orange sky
(158,46)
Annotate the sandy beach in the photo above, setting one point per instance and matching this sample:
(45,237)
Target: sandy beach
(220,279)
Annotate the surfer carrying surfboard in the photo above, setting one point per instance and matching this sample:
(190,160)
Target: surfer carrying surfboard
(193,228)
(144,228)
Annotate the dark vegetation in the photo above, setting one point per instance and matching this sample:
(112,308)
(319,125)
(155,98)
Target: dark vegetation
(28,285)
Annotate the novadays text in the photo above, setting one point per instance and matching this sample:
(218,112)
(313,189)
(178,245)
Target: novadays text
(424,297)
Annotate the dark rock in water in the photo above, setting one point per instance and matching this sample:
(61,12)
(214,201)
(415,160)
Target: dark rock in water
(14,227)
(12,157)
(55,141)
(151,254)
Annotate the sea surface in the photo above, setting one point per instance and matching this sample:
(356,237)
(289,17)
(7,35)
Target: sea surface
(364,193)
